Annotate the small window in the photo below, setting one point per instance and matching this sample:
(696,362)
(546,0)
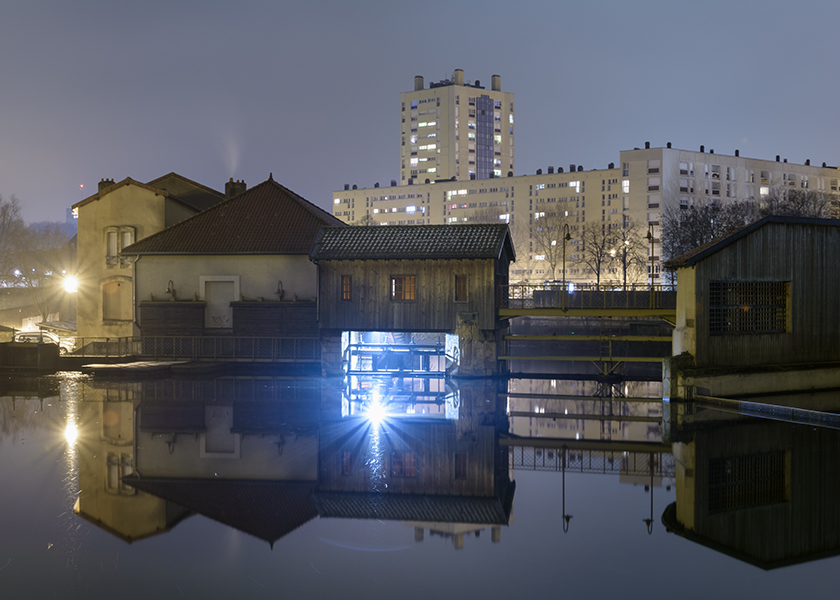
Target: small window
(460,466)
(403,464)
(461,288)
(346,287)
(347,463)
(404,288)
(111,245)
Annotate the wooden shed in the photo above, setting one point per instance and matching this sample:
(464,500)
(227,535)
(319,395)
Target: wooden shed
(765,295)
(410,278)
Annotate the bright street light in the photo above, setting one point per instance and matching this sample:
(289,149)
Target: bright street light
(71,284)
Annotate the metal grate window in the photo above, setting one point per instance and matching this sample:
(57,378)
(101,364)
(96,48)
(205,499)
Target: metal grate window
(746,481)
(747,307)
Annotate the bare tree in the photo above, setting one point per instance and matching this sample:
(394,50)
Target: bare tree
(629,251)
(687,227)
(518,233)
(548,234)
(795,202)
(42,257)
(11,230)
(365,220)
(597,244)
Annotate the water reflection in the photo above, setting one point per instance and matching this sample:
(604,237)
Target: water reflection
(764,492)
(266,456)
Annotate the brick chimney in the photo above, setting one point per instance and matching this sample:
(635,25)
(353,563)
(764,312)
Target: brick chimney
(234,188)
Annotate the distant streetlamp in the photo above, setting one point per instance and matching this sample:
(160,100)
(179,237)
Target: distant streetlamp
(651,240)
(566,518)
(566,237)
(649,521)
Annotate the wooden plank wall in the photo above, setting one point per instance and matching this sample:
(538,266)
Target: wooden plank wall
(275,319)
(807,524)
(171,318)
(434,446)
(435,309)
(806,255)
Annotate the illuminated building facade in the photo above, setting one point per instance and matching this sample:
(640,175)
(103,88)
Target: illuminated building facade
(645,182)
(455,129)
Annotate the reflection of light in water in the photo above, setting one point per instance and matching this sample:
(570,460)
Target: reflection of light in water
(376,411)
(74,439)
(71,432)
(375,459)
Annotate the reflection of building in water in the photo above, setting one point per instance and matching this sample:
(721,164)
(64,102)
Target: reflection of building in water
(447,476)
(105,445)
(250,464)
(270,461)
(589,427)
(585,410)
(762,492)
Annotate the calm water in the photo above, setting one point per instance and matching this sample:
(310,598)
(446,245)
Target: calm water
(263,487)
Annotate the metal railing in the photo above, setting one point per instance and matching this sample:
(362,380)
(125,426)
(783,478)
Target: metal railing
(101,346)
(568,295)
(232,348)
(593,461)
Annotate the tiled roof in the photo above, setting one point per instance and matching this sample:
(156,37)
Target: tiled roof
(267,510)
(191,192)
(126,181)
(410,507)
(267,219)
(411,242)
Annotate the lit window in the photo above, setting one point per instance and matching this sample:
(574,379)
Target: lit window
(461,289)
(403,288)
(410,209)
(346,287)
(625,186)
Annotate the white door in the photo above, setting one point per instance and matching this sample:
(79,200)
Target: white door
(218,314)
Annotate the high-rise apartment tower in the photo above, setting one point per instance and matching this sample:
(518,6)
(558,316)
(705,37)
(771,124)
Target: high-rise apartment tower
(455,130)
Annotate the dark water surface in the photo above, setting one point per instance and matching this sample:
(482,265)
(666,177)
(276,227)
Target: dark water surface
(260,487)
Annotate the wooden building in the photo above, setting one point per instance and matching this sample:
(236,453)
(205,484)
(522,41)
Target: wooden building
(765,295)
(411,278)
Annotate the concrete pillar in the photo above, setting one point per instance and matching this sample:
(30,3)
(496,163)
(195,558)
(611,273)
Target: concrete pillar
(496,534)
(477,348)
(331,364)
(458,541)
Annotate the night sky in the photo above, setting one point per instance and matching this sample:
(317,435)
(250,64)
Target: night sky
(309,90)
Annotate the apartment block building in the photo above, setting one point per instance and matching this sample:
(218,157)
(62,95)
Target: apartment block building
(646,181)
(457,166)
(455,129)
